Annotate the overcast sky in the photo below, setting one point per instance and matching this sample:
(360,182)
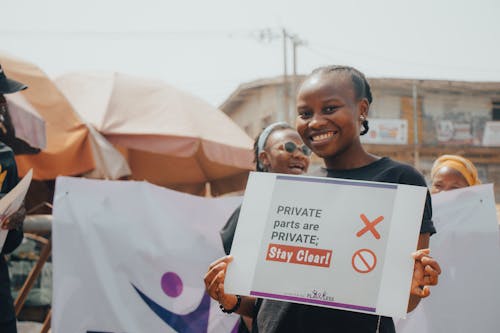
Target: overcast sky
(210,47)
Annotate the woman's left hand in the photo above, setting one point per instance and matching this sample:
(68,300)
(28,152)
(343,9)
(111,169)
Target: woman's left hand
(425,273)
(15,220)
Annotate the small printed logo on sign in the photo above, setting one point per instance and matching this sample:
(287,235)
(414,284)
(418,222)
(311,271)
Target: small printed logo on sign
(299,255)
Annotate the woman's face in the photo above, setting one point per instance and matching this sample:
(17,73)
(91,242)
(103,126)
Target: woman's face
(275,157)
(447,179)
(329,114)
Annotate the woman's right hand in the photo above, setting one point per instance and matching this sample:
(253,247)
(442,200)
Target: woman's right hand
(214,282)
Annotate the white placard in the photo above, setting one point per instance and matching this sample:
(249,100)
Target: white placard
(297,234)
(11,202)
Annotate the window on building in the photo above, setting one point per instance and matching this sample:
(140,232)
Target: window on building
(495,110)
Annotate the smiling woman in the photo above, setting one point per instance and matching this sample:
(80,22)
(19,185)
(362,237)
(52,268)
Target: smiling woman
(333,104)
(280,149)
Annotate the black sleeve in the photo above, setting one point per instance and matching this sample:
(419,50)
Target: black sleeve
(14,238)
(411,176)
(427,224)
(227,232)
(9,170)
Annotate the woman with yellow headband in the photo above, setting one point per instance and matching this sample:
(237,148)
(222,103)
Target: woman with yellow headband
(451,172)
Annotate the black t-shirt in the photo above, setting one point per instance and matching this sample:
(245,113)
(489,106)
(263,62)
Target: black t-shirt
(227,232)
(277,317)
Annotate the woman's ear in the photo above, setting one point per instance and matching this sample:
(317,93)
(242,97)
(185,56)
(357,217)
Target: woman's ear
(264,160)
(364,107)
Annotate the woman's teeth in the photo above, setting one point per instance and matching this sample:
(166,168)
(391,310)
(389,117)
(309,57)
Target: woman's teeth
(322,136)
(296,166)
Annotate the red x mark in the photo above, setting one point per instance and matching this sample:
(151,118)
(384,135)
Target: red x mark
(370,226)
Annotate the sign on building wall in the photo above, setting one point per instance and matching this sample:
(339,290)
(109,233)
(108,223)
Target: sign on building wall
(491,136)
(387,131)
(449,131)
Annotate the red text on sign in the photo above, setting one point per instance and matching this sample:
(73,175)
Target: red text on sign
(299,255)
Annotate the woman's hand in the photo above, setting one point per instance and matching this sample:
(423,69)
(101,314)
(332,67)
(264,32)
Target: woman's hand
(214,282)
(15,220)
(425,273)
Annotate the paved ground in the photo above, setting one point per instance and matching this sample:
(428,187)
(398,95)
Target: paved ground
(29,327)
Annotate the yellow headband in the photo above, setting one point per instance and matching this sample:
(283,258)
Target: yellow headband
(459,163)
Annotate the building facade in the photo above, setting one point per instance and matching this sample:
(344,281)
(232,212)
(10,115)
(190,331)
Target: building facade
(413,121)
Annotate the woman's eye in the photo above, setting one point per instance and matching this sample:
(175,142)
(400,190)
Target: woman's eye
(305,114)
(330,109)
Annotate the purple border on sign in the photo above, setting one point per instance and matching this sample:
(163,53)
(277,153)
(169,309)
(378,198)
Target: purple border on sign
(337,181)
(312,301)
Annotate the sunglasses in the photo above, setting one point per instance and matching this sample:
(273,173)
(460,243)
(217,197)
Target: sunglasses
(291,147)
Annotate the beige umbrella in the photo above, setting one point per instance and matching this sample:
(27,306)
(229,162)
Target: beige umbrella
(68,148)
(169,137)
(109,163)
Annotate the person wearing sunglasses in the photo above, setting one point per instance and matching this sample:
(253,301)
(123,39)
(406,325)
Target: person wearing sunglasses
(278,148)
(291,147)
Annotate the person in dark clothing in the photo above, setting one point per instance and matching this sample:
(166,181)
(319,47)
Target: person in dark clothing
(13,223)
(332,105)
(278,148)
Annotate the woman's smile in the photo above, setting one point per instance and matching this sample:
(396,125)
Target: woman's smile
(297,167)
(322,137)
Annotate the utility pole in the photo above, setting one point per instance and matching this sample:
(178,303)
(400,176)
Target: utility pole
(286,111)
(416,152)
(267,35)
(296,42)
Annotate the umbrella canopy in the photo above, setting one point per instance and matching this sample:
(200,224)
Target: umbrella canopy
(109,162)
(169,137)
(68,149)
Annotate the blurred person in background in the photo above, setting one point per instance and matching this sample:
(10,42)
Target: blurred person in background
(13,223)
(450,172)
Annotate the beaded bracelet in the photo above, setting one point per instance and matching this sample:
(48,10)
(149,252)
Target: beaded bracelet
(235,308)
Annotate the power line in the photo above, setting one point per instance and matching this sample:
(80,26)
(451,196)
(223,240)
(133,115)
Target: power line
(330,58)
(132,34)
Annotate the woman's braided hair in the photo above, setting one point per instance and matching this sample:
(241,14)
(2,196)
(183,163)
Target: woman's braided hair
(359,81)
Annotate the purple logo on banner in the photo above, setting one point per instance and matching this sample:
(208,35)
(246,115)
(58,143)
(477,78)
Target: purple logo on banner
(195,321)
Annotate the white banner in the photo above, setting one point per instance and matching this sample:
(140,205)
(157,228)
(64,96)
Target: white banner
(467,298)
(129,257)
(297,234)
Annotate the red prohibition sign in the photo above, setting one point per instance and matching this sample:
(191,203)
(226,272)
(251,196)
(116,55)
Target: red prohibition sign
(364,261)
